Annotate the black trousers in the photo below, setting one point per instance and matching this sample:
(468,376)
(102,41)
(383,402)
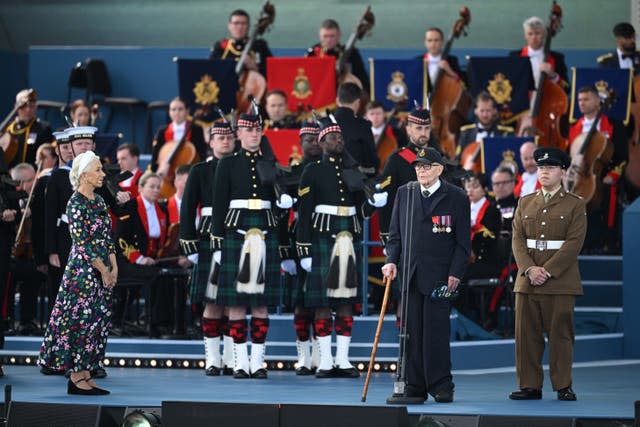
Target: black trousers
(428,350)
(29,280)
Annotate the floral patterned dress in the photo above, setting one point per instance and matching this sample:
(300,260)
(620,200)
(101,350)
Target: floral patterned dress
(76,336)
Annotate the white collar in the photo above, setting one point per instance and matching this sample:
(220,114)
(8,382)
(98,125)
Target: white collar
(179,126)
(477,205)
(433,58)
(535,52)
(147,204)
(527,176)
(378,130)
(431,189)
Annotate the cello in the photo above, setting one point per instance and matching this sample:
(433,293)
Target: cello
(175,153)
(251,82)
(550,101)
(587,150)
(362,28)
(450,102)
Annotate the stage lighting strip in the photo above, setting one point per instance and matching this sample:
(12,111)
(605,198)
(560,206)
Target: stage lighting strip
(185,363)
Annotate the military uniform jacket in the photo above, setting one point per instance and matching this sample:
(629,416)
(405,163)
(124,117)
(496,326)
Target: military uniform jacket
(131,235)
(358,139)
(469,133)
(507,207)
(193,133)
(354,61)
(611,60)
(229,48)
(56,231)
(322,183)
(435,254)
(198,193)
(286,231)
(485,234)
(236,177)
(29,136)
(562,218)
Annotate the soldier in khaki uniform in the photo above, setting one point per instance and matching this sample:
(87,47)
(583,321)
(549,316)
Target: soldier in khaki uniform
(549,227)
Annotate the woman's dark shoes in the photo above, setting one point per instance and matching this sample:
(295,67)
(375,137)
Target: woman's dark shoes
(72,388)
(567,394)
(98,373)
(527,394)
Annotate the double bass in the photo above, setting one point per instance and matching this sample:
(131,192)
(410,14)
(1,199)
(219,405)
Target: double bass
(588,152)
(550,101)
(450,102)
(251,82)
(362,28)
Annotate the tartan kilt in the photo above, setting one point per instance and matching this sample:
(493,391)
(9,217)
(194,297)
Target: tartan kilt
(200,275)
(230,259)
(315,289)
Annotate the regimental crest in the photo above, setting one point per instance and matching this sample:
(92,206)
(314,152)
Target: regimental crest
(509,161)
(301,87)
(206,91)
(500,88)
(397,89)
(603,88)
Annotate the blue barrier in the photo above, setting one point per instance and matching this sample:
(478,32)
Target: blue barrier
(630,288)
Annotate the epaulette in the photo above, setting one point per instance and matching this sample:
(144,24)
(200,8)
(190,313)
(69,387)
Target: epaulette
(604,57)
(530,195)
(506,128)
(577,196)
(467,127)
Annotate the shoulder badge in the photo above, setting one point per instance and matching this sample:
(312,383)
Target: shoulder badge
(506,128)
(604,57)
(467,127)
(124,217)
(303,191)
(385,183)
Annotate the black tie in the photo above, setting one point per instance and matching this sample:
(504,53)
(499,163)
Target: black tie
(425,193)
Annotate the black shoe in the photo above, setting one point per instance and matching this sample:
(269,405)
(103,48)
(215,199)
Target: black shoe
(526,394)
(260,374)
(98,373)
(50,371)
(240,374)
(101,391)
(406,399)
(303,371)
(212,371)
(444,396)
(227,370)
(72,388)
(567,394)
(325,373)
(346,372)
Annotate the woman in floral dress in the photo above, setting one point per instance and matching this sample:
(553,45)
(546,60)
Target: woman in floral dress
(77,330)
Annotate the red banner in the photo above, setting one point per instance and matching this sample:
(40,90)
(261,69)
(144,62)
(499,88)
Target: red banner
(306,81)
(285,144)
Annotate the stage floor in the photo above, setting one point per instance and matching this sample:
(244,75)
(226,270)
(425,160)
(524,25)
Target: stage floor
(605,390)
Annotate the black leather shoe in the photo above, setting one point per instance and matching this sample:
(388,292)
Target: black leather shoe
(98,373)
(444,396)
(567,394)
(303,371)
(406,399)
(72,388)
(325,373)
(50,371)
(260,374)
(240,374)
(526,394)
(227,371)
(101,391)
(346,373)
(212,371)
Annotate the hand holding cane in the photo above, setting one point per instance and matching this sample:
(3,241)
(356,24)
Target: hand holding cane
(383,309)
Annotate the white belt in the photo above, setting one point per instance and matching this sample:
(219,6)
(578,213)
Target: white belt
(63,218)
(207,211)
(542,245)
(336,210)
(252,204)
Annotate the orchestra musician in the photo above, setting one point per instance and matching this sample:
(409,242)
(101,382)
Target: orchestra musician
(527,182)
(275,104)
(486,124)
(128,156)
(434,42)
(625,56)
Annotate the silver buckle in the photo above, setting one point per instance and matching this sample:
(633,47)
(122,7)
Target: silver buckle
(541,245)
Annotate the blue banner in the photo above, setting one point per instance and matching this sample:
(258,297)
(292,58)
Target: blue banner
(397,81)
(204,83)
(603,79)
(502,151)
(507,80)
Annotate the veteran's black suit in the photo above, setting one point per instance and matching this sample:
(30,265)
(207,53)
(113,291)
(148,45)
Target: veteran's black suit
(432,258)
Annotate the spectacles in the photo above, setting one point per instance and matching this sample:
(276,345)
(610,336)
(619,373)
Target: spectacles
(498,183)
(424,166)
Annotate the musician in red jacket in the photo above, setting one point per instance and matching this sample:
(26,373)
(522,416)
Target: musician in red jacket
(128,156)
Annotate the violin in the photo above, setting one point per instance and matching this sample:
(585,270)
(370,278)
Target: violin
(362,28)
(450,102)
(550,101)
(252,83)
(586,151)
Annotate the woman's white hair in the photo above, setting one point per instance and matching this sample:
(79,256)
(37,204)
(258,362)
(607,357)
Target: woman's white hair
(80,164)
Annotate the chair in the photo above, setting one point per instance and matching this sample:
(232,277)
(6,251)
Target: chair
(92,75)
(51,106)
(151,108)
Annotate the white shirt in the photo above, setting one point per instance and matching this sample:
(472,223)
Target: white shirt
(624,63)
(127,182)
(377,131)
(529,181)
(433,68)
(152,219)
(475,209)
(536,57)
(178,202)
(431,189)
(178,131)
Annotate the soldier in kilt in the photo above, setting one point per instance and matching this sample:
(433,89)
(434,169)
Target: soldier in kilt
(245,243)
(330,210)
(196,244)
(295,276)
